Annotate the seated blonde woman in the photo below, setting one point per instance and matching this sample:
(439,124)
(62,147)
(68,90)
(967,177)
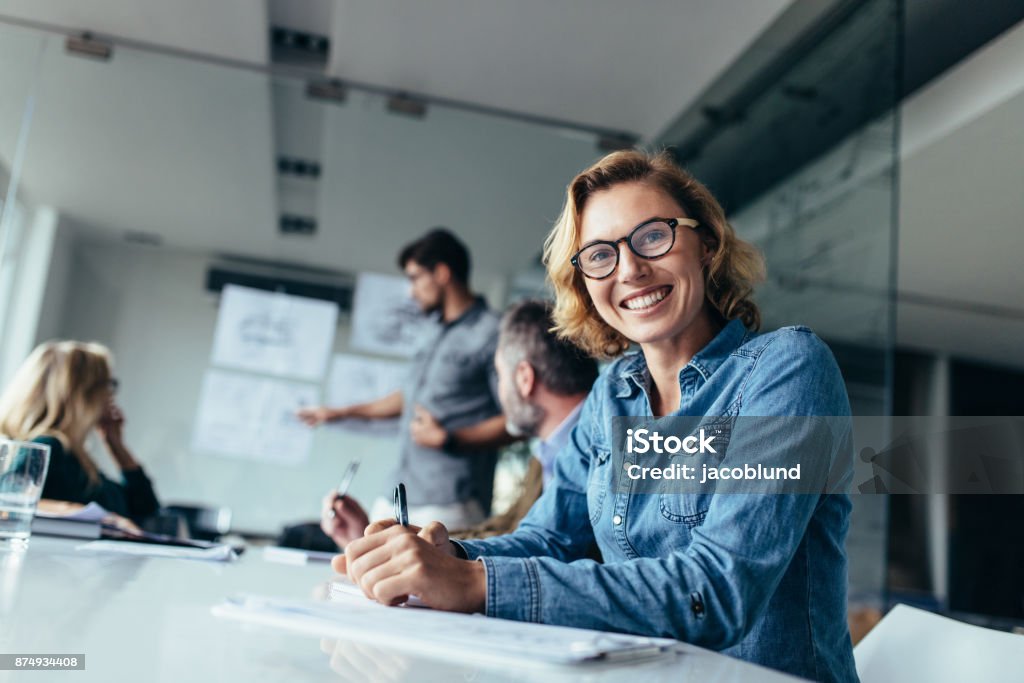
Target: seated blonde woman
(61,393)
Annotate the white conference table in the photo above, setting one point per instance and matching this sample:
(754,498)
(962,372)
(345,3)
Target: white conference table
(149,619)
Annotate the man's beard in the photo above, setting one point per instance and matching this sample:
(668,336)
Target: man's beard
(522,418)
(436,307)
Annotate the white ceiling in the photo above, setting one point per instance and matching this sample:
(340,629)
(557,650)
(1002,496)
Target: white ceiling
(186,150)
(630,66)
(232,29)
(624,65)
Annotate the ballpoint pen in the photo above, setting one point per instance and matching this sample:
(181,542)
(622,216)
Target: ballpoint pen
(346,481)
(401,505)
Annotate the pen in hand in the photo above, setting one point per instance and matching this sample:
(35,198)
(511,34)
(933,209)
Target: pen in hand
(346,481)
(401,505)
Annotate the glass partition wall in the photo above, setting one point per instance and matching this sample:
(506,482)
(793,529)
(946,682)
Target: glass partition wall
(804,156)
(144,172)
(20,68)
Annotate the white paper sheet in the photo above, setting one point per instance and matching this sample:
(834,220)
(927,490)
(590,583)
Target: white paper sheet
(220,553)
(93,512)
(442,634)
(342,589)
(253,418)
(273,553)
(385,320)
(274,334)
(910,644)
(357,379)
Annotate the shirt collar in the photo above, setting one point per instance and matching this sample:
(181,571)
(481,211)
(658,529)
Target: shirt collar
(711,357)
(474,311)
(548,448)
(634,375)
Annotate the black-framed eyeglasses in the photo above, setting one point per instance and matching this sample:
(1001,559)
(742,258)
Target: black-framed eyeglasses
(649,240)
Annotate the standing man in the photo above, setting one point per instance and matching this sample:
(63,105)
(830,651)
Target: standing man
(447,463)
(542,382)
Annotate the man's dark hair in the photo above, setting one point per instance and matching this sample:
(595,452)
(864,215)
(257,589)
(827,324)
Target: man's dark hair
(438,246)
(560,365)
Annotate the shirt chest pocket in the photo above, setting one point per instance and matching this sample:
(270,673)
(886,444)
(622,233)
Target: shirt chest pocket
(598,482)
(689,504)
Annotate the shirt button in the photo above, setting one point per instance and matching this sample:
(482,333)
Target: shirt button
(617,520)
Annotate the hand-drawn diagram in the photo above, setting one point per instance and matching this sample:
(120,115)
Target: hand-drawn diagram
(272,333)
(357,379)
(253,418)
(385,319)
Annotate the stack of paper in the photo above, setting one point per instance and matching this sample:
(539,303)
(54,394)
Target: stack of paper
(217,553)
(442,634)
(69,520)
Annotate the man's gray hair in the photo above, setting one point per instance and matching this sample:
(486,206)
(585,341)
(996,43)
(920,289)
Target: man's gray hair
(559,364)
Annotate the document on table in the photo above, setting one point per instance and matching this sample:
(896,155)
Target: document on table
(274,553)
(344,589)
(442,634)
(93,512)
(218,553)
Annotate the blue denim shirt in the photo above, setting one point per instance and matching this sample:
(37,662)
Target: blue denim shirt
(761,577)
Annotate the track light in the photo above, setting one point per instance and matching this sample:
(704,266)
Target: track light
(334,91)
(405,105)
(87,46)
(612,142)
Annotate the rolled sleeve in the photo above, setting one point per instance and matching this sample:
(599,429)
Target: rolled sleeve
(513,588)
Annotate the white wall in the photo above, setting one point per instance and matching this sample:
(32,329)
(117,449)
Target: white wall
(148,304)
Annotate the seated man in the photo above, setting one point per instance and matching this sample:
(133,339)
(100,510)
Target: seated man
(542,381)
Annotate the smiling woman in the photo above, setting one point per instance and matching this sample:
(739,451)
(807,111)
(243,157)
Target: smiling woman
(642,254)
(731,267)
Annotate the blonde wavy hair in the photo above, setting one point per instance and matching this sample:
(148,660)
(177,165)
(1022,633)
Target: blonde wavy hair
(60,390)
(729,278)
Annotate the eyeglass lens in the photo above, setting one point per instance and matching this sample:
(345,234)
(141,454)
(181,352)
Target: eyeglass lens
(650,241)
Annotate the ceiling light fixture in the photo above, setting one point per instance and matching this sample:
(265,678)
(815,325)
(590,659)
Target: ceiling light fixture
(85,45)
(401,103)
(612,142)
(332,90)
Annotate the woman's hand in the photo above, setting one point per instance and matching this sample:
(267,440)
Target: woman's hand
(111,424)
(343,519)
(111,428)
(392,562)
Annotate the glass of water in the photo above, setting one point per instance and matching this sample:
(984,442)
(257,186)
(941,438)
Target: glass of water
(22,473)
